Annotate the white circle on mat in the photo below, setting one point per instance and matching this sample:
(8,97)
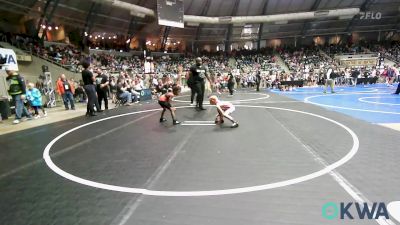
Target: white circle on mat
(319,92)
(265,96)
(378,103)
(323,171)
(307,100)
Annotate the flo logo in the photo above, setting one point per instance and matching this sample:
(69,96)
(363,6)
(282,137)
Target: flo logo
(354,210)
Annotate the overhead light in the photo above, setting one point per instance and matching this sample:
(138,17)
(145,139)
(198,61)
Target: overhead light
(44,26)
(97,47)
(56,27)
(321,13)
(174,43)
(346,17)
(179,42)
(192,24)
(115,37)
(281,22)
(90,36)
(121,51)
(128,41)
(109,38)
(102,38)
(95,37)
(49,28)
(86,34)
(154,44)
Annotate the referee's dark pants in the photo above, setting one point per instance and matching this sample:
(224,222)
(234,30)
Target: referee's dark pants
(192,93)
(90,90)
(230,87)
(398,89)
(258,85)
(102,95)
(199,88)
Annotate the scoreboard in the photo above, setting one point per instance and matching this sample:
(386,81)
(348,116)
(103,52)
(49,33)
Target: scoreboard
(170,13)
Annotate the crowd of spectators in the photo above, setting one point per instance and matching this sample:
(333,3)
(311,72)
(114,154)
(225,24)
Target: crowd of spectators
(308,64)
(392,51)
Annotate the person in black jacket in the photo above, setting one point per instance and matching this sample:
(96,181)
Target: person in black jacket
(90,89)
(17,90)
(102,88)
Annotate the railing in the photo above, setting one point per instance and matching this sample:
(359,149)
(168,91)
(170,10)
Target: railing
(392,58)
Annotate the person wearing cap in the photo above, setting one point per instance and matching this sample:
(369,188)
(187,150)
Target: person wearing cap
(198,72)
(17,90)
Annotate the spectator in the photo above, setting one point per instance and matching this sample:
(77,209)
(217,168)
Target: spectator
(123,93)
(102,88)
(35,100)
(66,90)
(17,90)
(90,89)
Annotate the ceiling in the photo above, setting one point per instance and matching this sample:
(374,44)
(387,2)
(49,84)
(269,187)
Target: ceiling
(107,18)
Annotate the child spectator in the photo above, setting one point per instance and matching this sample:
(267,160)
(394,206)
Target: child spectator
(34,97)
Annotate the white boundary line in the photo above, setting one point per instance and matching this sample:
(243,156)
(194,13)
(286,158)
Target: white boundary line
(197,124)
(198,121)
(307,100)
(378,103)
(318,92)
(325,170)
(233,101)
(70,147)
(343,182)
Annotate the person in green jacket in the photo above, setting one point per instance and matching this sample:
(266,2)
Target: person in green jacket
(17,90)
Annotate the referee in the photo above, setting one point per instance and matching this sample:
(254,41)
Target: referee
(198,73)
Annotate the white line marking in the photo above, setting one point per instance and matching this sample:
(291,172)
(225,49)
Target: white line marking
(199,121)
(327,169)
(318,92)
(233,101)
(197,124)
(307,100)
(134,203)
(272,102)
(71,147)
(343,182)
(378,103)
